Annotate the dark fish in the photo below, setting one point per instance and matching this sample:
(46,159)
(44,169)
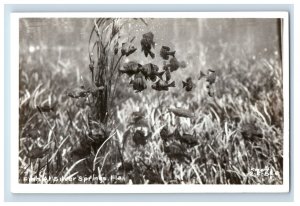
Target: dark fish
(164,133)
(150,71)
(165,52)
(78,93)
(188,139)
(138,119)
(126,166)
(176,151)
(32,133)
(139,137)
(210,91)
(174,64)
(201,75)
(136,116)
(182,64)
(131,68)
(167,73)
(161,85)
(251,132)
(139,83)
(91,66)
(211,77)
(47,107)
(37,152)
(131,50)
(180,112)
(188,84)
(127,50)
(81,151)
(147,43)
(124,49)
(116,48)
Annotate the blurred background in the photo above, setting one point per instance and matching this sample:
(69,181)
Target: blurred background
(189,37)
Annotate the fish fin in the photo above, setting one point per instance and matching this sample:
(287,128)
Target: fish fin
(160,74)
(152,55)
(201,75)
(132,39)
(173,53)
(172,84)
(166,48)
(184,84)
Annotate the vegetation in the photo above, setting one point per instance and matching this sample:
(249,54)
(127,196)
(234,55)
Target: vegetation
(97,126)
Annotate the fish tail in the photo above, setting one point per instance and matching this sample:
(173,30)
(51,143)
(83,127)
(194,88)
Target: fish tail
(172,84)
(122,71)
(173,53)
(184,84)
(152,54)
(201,75)
(160,74)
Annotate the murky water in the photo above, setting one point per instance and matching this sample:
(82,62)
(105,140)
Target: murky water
(199,42)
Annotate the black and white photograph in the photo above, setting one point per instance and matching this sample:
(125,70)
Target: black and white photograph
(150,100)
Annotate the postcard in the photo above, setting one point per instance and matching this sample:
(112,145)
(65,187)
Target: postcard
(168,102)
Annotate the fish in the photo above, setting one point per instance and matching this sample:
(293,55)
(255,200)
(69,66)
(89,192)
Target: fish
(150,71)
(201,75)
(210,91)
(188,84)
(181,112)
(131,68)
(174,64)
(161,85)
(78,93)
(250,132)
(139,137)
(168,75)
(164,133)
(188,139)
(91,66)
(138,83)
(137,115)
(211,77)
(167,72)
(127,50)
(147,43)
(46,108)
(130,50)
(177,152)
(116,48)
(165,52)
(37,152)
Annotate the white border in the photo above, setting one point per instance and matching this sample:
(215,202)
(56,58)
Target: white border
(42,188)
